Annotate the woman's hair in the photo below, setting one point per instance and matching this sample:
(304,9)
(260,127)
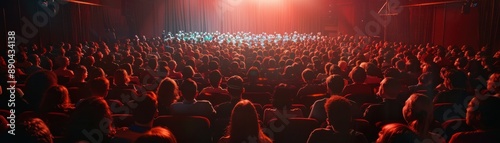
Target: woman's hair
(282,96)
(96,73)
(56,99)
(91,115)
(396,133)
(157,135)
(38,83)
(244,123)
(482,113)
(33,130)
(418,113)
(167,93)
(253,74)
(121,77)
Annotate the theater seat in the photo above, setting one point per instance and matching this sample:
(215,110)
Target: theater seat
(444,112)
(186,129)
(293,130)
(303,108)
(454,126)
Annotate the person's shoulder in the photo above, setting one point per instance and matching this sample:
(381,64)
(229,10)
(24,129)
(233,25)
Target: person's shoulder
(321,131)
(320,102)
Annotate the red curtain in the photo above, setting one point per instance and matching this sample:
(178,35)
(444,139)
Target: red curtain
(489,23)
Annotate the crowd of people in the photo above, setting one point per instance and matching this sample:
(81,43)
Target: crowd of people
(356,89)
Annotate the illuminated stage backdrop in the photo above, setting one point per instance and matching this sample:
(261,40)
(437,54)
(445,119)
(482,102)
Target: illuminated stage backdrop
(245,15)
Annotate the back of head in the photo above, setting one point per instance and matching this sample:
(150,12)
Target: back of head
(90,114)
(146,108)
(282,97)
(99,86)
(33,130)
(389,88)
(121,77)
(189,89)
(335,84)
(244,122)
(38,83)
(56,99)
(308,75)
(396,133)
(235,86)
(483,113)
(157,135)
(81,72)
(253,74)
(339,113)
(167,92)
(215,78)
(358,75)
(456,79)
(187,72)
(418,112)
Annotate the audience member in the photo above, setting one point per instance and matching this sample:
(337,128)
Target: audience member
(244,125)
(339,118)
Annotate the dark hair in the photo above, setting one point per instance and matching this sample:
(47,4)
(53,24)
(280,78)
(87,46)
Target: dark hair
(33,130)
(483,113)
(187,72)
(38,83)
(153,62)
(338,110)
(253,74)
(146,108)
(167,93)
(215,78)
(157,135)
(358,74)
(308,75)
(244,123)
(188,89)
(99,86)
(56,99)
(397,133)
(235,85)
(418,113)
(335,84)
(456,79)
(90,115)
(282,98)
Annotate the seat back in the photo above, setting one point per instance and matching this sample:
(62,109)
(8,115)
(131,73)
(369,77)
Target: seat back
(186,129)
(292,130)
(454,126)
(444,112)
(302,108)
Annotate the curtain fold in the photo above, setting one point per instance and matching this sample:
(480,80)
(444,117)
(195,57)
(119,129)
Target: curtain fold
(489,23)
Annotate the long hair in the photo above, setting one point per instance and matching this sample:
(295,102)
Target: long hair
(56,99)
(92,115)
(418,113)
(244,123)
(167,93)
(396,133)
(38,83)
